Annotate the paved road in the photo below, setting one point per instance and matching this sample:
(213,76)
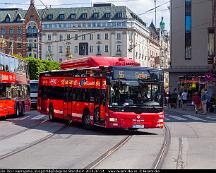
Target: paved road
(193,141)
(193,144)
(73,147)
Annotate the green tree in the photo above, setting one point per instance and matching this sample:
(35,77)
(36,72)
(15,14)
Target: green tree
(36,66)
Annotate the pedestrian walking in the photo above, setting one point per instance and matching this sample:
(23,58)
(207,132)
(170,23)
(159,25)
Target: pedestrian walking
(208,104)
(196,101)
(204,100)
(184,99)
(179,100)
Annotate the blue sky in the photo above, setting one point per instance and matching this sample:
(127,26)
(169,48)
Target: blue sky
(137,6)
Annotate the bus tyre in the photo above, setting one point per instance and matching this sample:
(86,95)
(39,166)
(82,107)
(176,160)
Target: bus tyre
(51,113)
(17,111)
(22,110)
(86,121)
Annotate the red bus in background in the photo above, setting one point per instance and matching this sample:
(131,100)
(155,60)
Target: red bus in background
(111,97)
(14,86)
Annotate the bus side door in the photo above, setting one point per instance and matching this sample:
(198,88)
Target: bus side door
(67,104)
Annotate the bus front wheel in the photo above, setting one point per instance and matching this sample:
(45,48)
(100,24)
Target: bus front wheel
(86,121)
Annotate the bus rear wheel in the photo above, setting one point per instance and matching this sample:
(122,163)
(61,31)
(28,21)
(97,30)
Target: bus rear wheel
(51,114)
(86,121)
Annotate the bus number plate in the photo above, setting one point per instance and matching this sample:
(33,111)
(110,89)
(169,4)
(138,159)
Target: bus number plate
(138,126)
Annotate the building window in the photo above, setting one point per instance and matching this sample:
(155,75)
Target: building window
(19,43)
(91,36)
(73,16)
(118,48)
(188,23)
(3,31)
(106,36)
(118,36)
(31,18)
(7,19)
(91,49)
(98,36)
(60,37)
(76,49)
(61,16)
(50,16)
(98,49)
(119,15)
(76,37)
(60,49)
(11,31)
(68,36)
(95,15)
(106,48)
(107,15)
(49,48)
(83,37)
(84,16)
(49,37)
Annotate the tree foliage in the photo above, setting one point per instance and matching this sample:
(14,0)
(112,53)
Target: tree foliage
(36,66)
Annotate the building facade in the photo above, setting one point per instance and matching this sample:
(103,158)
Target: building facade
(190,65)
(20,31)
(101,30)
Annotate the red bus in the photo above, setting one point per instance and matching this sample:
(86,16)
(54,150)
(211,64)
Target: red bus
(111,97)
(14,86)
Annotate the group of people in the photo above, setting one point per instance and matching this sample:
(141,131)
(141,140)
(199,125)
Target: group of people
(200,100)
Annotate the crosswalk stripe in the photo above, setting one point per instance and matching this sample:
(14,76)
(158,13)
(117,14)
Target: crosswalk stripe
(167,119)
(177,118)
(193,118)
(211,118)
(38,117)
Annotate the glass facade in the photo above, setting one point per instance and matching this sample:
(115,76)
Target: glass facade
(188,24)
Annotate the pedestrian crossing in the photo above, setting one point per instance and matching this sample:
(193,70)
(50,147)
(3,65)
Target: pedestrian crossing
(189,118)
(168,118)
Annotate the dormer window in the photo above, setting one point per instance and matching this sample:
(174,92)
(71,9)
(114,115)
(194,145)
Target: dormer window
(95,15)
(7,19)
(107,15)
(119,15)
(50,16)
(84,16)
(73,16)
(18,18)
(61,16)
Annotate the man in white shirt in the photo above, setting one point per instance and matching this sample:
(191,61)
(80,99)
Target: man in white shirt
(184,99)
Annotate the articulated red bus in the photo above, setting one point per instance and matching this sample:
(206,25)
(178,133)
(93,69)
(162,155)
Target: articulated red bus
(14,86)
(112,97)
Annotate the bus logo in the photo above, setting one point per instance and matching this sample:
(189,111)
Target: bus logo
(82,82)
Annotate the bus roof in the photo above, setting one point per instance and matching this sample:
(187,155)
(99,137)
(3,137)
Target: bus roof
(96,61)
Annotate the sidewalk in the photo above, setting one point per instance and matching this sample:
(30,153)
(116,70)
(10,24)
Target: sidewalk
(187,111)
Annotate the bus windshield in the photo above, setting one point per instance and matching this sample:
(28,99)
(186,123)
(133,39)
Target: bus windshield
(134,93)
(33,87)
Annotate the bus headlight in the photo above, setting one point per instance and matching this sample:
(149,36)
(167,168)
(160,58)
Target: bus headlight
(113,119)
(160,121)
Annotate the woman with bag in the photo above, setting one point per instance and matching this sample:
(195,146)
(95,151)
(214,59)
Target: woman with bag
(196,101)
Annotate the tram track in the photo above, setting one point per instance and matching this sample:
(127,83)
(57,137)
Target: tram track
(157,164)
(18,150)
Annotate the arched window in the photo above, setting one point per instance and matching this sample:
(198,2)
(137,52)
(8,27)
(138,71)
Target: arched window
(29,30)
(35,30)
